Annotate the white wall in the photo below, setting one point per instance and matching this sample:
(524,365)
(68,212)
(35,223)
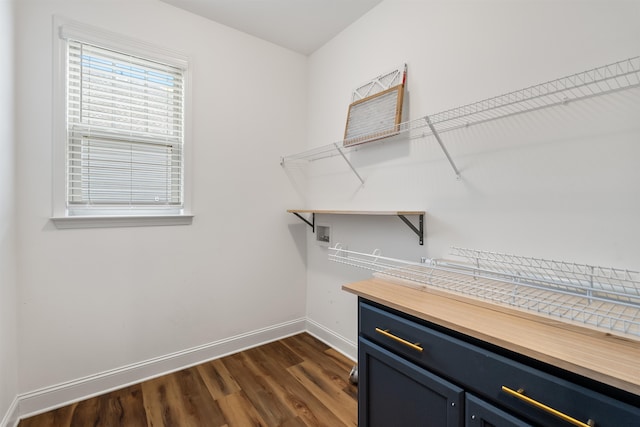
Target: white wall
(560,183)
(8,222)
(92,300)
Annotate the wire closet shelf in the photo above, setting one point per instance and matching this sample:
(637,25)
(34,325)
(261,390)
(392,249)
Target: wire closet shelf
(604,298)
(598,81)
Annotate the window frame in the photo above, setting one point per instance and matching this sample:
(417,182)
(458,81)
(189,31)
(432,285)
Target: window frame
(63,216)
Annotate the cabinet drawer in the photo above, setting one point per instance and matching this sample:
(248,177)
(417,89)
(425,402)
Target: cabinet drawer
(482,414)
(403,336)
(489,375)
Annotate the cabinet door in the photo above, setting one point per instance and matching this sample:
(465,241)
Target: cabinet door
(395,392)
(479,413)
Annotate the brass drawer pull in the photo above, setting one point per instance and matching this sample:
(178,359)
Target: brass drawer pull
(388,334)
(520,395)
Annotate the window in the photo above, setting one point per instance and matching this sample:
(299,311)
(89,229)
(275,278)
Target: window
(124,129)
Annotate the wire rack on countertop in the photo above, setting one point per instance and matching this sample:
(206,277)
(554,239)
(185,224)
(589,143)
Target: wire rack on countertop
(605,298)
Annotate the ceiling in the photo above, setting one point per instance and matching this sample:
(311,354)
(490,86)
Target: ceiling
(300,25)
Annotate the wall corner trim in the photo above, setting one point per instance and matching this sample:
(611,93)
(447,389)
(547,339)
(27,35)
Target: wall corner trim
(345,346)
(11,418)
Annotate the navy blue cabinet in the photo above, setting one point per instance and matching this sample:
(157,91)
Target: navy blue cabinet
(479,413)
(399,393)
(412,373)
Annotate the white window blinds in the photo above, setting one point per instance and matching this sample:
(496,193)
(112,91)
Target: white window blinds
(125,136)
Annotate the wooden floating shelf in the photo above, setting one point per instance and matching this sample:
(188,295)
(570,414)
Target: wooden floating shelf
(400,214)
(334,212)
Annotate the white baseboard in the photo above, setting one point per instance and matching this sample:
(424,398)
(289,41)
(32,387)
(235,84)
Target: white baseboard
(11,418)
(340,343)
(56,396)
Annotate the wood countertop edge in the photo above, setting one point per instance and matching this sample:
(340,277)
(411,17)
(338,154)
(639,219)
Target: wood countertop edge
(598,355)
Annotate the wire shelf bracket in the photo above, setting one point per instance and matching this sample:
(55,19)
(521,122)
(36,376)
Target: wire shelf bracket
(444,149)
(348,162)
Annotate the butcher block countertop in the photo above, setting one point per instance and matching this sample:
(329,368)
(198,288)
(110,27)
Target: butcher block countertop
(612,359)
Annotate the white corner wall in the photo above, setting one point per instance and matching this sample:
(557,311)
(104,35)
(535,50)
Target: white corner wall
(8,224)
(100,303)
(560,183)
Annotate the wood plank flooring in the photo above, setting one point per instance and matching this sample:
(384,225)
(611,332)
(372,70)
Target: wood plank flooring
(294,382)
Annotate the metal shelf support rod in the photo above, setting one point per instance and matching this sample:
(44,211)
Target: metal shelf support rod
(418,230)
(444,149)
(311,223)
(349,163)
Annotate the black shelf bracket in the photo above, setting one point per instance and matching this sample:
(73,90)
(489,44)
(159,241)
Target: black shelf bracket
(311,223)
(419,231)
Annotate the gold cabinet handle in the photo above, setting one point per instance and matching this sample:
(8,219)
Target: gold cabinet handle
(388,334)
(520,395)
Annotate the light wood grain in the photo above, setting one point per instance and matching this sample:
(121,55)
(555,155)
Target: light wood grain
(338,212)
(604,357)
(294,382)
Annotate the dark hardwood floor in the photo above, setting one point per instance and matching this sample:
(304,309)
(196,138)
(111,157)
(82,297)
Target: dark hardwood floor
(296,381)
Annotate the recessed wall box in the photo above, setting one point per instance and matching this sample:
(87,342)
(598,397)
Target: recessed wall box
(323,234)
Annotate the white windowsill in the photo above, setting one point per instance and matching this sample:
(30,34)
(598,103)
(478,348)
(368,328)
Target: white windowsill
(106,221)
